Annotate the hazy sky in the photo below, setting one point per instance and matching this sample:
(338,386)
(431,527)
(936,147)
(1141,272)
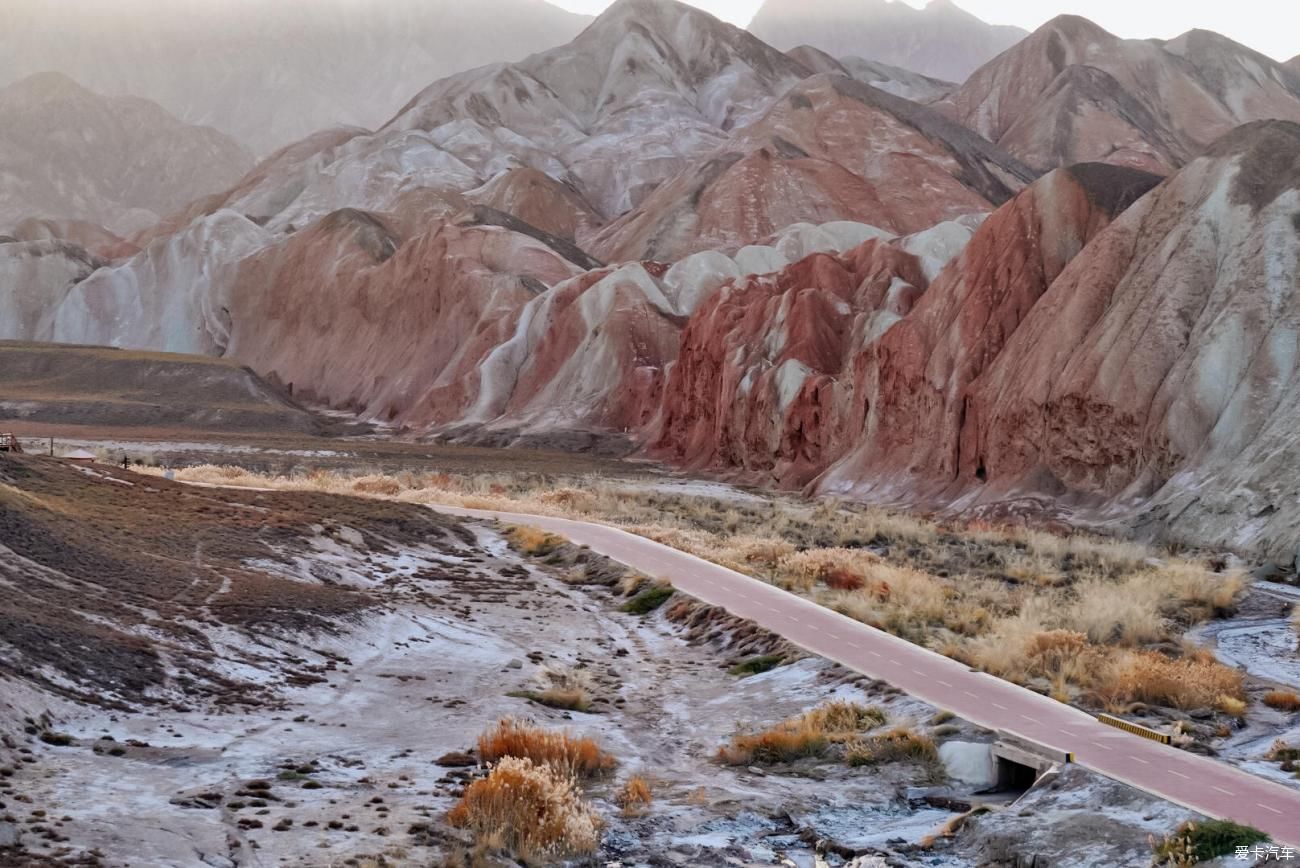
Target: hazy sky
(1264,25)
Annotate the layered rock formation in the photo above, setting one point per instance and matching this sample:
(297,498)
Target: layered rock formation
(830,148)
(1097,348)
(1073,92)
(940,40)
(270,73)
(120,162)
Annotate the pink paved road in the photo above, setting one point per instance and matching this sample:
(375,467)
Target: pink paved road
(1204,785)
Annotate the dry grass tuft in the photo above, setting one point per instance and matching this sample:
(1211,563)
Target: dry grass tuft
(533,810)
(1231,705)
(634,796)
(1283,700)
(900,744)
(811,734)
(561,687)
(574,756)
(533,541)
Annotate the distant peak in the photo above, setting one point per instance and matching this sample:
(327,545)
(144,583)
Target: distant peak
(1070,23)
(47,85)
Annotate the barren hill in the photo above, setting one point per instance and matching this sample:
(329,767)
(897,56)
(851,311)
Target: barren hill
(59,384)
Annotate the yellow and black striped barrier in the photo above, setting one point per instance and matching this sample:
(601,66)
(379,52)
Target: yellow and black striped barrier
(1136,729)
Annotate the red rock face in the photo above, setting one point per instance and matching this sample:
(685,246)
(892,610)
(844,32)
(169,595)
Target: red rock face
(761,384)
(915,380)
(831,148)
(343,315)
(1160,367)
(1072,92)
(855,364)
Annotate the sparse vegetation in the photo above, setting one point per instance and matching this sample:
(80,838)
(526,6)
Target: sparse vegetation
(571,755)
(533,541)
(531,810)
(899,744)
(1083,618)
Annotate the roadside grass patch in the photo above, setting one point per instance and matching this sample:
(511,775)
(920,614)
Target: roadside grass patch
(757,665)
(646,601)
(533,541)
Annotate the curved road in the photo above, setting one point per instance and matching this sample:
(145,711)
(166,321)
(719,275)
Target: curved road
(1203,785)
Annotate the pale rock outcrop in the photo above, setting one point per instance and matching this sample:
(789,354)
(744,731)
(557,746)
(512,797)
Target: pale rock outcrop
(175,295)
(95,239)
(35,276)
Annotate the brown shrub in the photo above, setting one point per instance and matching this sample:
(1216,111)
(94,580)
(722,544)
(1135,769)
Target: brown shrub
(1283,700)
(576,756)
(533,810)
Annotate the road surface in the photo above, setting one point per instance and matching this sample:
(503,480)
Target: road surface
(1201,784)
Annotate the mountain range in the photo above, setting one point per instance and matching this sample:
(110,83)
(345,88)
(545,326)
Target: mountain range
(1067,286)
(122,162)
(270,73)
(940,40)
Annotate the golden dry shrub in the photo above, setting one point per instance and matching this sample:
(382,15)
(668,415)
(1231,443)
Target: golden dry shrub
(1187,683)
(811,734)
(1282,700)
(900,744)
(576,756)
(533,541)
(635,795)
(840,569)
(532,809)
